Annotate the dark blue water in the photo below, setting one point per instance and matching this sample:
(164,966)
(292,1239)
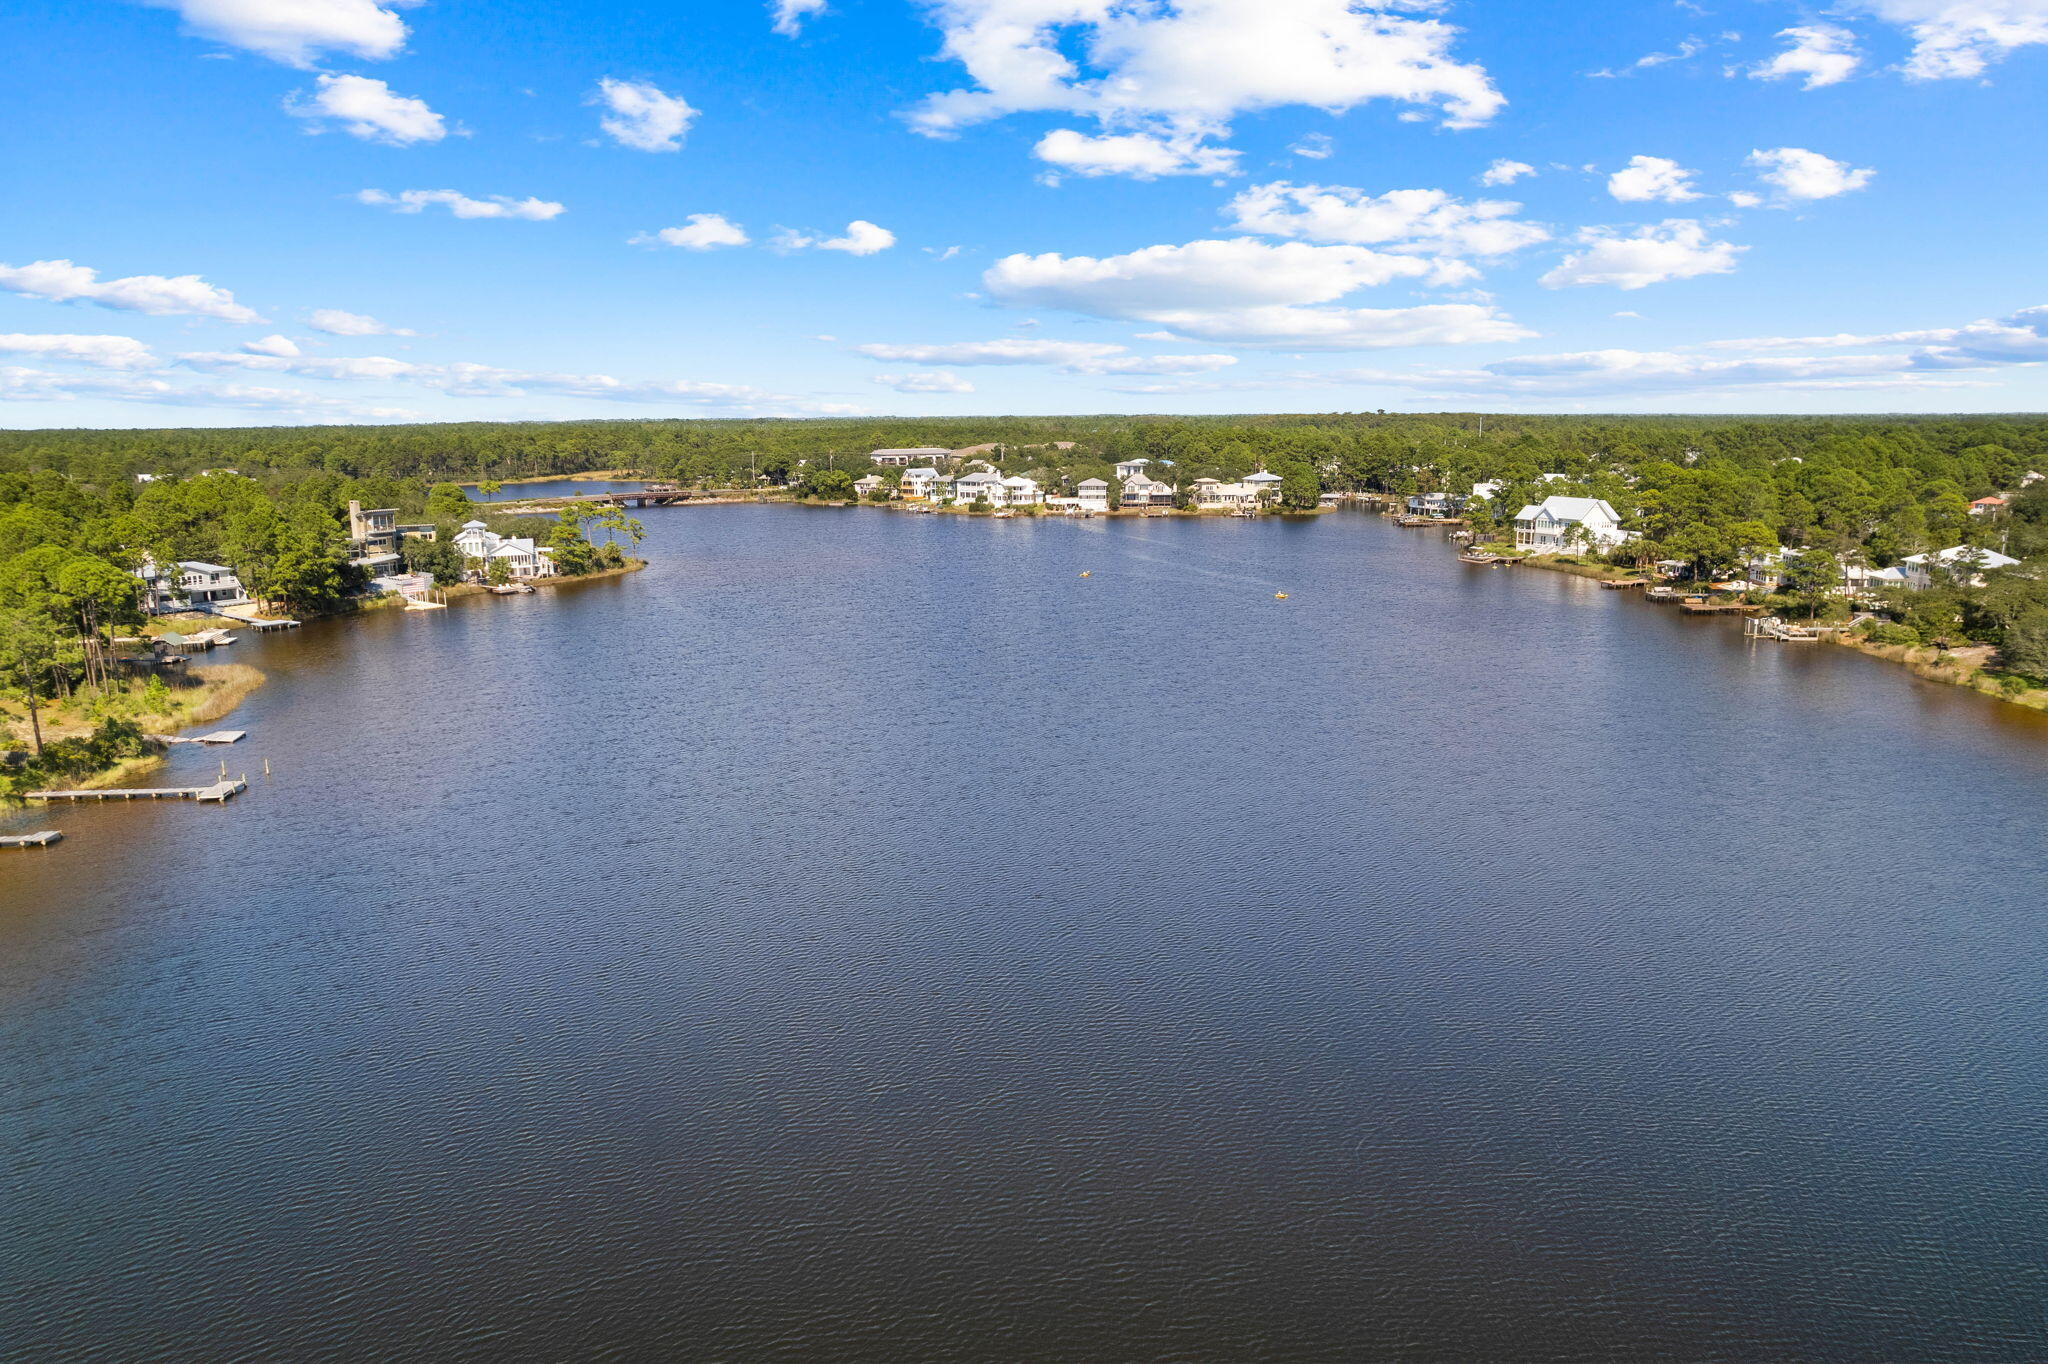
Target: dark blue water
(861,937)
(555,487)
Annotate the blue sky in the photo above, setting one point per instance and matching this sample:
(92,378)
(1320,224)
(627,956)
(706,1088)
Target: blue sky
(279,211)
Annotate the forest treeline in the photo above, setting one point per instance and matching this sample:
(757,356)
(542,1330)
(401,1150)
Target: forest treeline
(1711,491)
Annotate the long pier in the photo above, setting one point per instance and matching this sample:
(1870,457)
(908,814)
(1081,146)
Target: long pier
(219,792)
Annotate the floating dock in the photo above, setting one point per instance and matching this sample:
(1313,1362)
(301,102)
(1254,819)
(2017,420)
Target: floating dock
(218,792)
(42,838)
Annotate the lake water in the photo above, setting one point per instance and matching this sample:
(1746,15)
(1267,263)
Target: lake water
(861,937)
(555,487)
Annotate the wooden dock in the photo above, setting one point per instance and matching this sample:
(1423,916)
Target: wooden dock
(42,838)
(1489,560)
(219,792)
(1616,584)
(1700,606)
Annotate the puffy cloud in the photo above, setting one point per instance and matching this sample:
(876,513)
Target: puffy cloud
(295,31)
(1652,179)
(1186,70)
(790,14)
(272,345)
(703,232)
(1742,198)
(1505,172)
(1820,53)
(1424,220)
(938,381)
(368,109)
(335,322)
(642,116)
(1249,292)
(1072,357)
(461,205)
(60,281)
(1676,248)
(862,238)
(1142,156)
(1960,38)
(107,352)
(1804,175)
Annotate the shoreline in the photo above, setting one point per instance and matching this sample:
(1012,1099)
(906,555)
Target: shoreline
(222,687)
(1963,668)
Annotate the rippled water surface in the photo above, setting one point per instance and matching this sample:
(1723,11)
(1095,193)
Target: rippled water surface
(863,937)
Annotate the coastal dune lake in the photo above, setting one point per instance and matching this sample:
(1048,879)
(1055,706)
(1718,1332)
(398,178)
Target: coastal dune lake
(862,937)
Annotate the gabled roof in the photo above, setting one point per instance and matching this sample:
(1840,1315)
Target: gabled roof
(1975,556)
(1568,509)
(1263,477)
(1093,483)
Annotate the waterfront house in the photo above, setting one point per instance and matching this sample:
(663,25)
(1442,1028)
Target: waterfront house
(372,532)
(1146,492)
(1128,469)
(521,556)
(980,486)
(1019,491)
(1439,506)
(1258,490)
(900,457)
(1862,580)
(1094,494)
(924,482)
(1557,524)
(1965,564)
(204,584)
(162,593)
(863,486)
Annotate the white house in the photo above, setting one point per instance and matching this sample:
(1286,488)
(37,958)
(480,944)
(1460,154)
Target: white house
(1020,491)
(1959,563)
(519,554)
(980,486)
(1859,579)
(1147,492)
(863,486)
(1094,494)
(899,457)
(923,482)
(1129,469)
(1560,523)
(1255,491)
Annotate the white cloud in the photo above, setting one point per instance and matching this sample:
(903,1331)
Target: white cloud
(1142,156)
(335,322)
(704,231)
(1960,38)
(1652,179)
(938,381)
(107,352)
(295,31)
(790,14)
(862,238)
(1422,220)
(1072,357)
(1687,50)
(1676,248)
(467,379)
(1315,147)
(461,205)
(642,116)
(1185,71)
(33,385)
(1820,53)
(272,345)
(1249,292)
(368,109)
(1742,198)
(1803,175)
(60,281)
(1505,172)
